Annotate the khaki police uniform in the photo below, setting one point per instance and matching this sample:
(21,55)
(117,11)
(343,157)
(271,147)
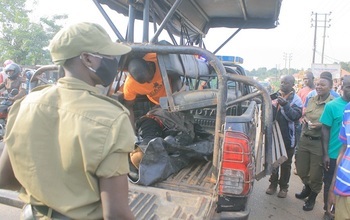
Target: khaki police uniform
(61,140)
(309,157)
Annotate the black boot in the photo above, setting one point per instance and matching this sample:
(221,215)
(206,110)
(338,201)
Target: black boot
(304,193)
(310,202)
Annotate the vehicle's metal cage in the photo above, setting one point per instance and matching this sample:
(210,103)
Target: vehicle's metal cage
(173,17)
(176,17)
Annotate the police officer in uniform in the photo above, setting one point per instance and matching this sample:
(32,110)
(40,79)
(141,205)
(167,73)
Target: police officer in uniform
(66,144)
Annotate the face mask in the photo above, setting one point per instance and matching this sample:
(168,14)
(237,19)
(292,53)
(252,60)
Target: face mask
(107,69)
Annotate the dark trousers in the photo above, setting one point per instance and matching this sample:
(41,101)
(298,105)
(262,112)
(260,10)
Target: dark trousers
(327,180)
(286,167)
(309,163)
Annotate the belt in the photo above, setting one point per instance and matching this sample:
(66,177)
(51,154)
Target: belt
(312,138)
(45,210)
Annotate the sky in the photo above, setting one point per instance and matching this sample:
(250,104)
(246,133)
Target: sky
(290,44)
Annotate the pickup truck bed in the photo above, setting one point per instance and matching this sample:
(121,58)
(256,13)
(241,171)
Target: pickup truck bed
(184,195)
(192,179)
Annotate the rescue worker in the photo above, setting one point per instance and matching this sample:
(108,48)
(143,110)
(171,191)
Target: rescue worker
(14,81)
(145,79)
(177,129)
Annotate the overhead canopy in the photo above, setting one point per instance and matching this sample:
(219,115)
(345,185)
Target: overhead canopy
(198,16)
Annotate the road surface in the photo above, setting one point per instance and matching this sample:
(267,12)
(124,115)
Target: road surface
(268,207)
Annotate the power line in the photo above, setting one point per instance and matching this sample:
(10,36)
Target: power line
(329,57)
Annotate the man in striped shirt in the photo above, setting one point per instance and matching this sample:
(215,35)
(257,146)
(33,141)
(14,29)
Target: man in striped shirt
(339,193)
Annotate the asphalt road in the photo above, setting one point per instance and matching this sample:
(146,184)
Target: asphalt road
(270,207)
(262,206)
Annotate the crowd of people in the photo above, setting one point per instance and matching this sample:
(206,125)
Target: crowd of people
(314,123)
(14,75)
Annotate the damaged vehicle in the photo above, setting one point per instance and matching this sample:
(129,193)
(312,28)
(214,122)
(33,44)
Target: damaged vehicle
(215,186)
(233,111)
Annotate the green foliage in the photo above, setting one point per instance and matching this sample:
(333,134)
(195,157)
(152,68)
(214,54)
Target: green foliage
(21,39)
(345,66)
(274,75)
(263,73)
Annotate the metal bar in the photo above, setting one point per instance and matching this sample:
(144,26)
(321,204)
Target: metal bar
(109,21)
(260,170)
(166,82)
(145,21)
(266,114)
(243,98)
(280,149)
(244,9)
(228,39)
(198,104)
(166,19)
(131,24)
(221,112)
(171,36)
(10,198)
(154,24)
(42,69)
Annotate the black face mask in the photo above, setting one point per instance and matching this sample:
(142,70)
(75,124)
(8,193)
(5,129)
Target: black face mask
(107,70)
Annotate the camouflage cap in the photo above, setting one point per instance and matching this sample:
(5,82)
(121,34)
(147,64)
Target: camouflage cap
(83,37)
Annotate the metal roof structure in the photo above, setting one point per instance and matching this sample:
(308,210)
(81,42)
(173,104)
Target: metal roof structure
(196,17)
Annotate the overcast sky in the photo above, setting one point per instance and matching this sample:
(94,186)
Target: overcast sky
(291,41)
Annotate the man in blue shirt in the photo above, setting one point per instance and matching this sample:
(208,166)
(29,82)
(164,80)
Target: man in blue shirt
(339,192)
(331,120)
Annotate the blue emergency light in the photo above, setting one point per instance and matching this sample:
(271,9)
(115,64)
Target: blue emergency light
(230,59)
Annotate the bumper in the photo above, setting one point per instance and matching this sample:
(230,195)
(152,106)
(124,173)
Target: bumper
(243,215)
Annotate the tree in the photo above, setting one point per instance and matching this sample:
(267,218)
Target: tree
(345,66)
(21,39)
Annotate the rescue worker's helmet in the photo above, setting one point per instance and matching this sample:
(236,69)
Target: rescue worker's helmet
(7,62)
(12,70)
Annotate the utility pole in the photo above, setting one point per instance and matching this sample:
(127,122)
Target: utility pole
(314,48)
(285,60)
(324,32)
(324,26)
(290,58)
(287,57)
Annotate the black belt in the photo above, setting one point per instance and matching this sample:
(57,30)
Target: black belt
(45,211)
(312,138)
